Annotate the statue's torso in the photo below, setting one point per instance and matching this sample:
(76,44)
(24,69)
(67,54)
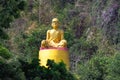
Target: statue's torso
(55,35)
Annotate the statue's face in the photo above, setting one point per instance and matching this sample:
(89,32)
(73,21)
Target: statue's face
(55,23)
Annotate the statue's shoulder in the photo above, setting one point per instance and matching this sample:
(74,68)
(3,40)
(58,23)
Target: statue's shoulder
(48,31)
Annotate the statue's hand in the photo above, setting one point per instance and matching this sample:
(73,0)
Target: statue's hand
(60,45)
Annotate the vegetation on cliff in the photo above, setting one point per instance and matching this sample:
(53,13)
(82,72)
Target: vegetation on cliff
(92,29)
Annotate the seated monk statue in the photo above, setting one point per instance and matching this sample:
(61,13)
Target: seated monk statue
(55,36)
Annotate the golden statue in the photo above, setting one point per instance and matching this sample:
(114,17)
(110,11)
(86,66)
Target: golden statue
(55,36)
(55,46)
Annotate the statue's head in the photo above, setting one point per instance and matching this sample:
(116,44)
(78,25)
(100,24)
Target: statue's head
(55,23)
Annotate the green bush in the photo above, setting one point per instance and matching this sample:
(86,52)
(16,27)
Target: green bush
(11,70)
(54,71)
(29,44)
(114,68)
(9,11)
(19,69)
(83,48)
(95,69)
(4,52)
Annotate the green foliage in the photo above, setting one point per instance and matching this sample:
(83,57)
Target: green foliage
(95,69)
(9,10)
(4,52)
(54,71)
(101,67)
(23,70)
(83,48)
(59,5)
(3,35)
(29,44)
(69,37)
(11,71)
(114,68)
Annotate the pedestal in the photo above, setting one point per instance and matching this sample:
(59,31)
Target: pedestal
(56,54)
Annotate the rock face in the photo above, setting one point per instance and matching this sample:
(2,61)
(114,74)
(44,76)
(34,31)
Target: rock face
(109,23)
(100,14)
(104,14)
(107,19)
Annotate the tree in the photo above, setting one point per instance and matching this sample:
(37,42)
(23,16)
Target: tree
(9,10)
(54,71)
(96,68)
(114,68)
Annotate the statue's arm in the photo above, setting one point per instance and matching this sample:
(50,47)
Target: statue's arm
(48,35)
(62,34)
